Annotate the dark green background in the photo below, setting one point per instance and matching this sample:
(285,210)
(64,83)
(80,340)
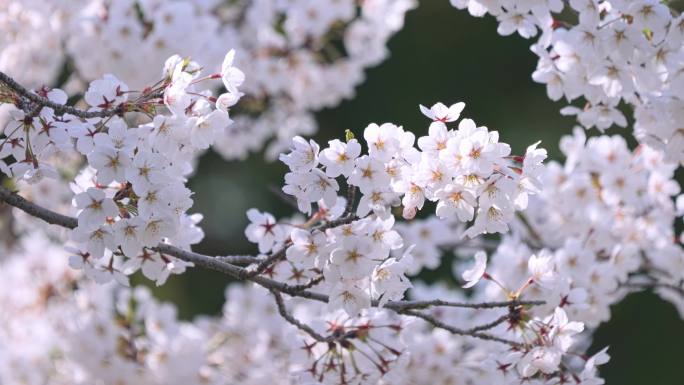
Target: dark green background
(445,55)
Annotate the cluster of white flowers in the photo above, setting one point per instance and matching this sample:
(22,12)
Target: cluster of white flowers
(132,195)
(380,348)
(300,56)
(65,330)
(58,328)
(622,239)
(575,237)
(583,260)
(349,261)
(31,38)
(441,358)
(608,52)
(467,172)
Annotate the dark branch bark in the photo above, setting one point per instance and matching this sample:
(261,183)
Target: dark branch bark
(238,259)
(475,305)
(59,109)
(282,310)
(474,332)
(34,210)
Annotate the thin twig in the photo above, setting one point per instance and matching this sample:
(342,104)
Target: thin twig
(462,332)
(291,319)
(313,282)
(285,198)
(539,242)
(490,325)
(266,263)
(337,222)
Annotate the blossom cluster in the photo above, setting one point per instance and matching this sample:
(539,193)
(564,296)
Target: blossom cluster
(583,261)
(64,329)
(344,247)
(300,56)
(333,301)
(608,53)
(378,347)
(132,195)
(623,239)
(468,173)
(587,260)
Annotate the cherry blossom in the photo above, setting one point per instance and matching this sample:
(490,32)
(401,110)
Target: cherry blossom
(441,113)
(473,275)
(331,295)
(263,230)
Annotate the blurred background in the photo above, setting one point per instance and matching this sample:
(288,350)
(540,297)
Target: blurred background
(442,54)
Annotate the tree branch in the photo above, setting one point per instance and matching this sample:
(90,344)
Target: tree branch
(337,222)
(477,305)
(60,109)
(490,325)
(34,210)
(474,332)
(238,259)
(351,198)
(313,282)
(263,265)
(282,310)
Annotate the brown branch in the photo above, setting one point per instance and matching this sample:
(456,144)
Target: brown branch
(474,332)
(60,109)
(490,325)
(236,272)
(219,264)
(351,198)
(237,259)
(467,305)
(313,282)
(282,310)
(337,222)
(34,210)
(266,263)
